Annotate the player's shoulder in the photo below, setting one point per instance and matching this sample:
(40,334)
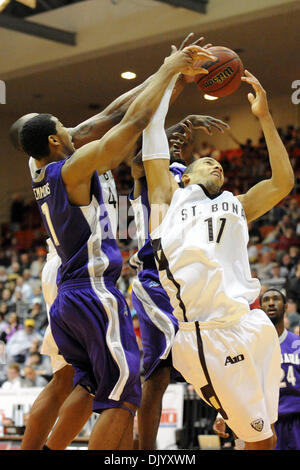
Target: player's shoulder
(291,337)
(289,341)
(47,171)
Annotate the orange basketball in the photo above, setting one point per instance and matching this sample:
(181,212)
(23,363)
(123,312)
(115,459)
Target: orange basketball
(224,75)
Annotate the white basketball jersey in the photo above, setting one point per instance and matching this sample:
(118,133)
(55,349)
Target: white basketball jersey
(110,198)
(201,253)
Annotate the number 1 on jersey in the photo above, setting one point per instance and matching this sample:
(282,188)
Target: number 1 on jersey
(46,212)
(211,235)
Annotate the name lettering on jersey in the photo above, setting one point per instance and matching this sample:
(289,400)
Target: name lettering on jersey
(216,207)
(41,191)
(234,359)
(289,358)
(228,207)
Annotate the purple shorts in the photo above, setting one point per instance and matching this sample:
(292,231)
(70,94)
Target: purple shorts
(288,432)
(92,326)
(158,325)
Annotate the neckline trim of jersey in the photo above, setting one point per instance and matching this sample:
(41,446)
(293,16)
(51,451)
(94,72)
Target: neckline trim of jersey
(283,336)
(207,193)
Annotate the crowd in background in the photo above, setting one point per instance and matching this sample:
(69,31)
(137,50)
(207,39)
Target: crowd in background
(274,254)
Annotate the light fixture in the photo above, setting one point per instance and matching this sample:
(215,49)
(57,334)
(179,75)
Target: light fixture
(3,4)
(210,98)
(128,75)
(27,3)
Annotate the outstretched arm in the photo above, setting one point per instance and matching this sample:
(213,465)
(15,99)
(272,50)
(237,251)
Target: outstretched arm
(108,152)
(95,127)
(267,193)
(182,138)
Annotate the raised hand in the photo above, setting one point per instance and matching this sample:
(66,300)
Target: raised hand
(187,42)
(207,123)
(182,141)
(259,102)
(189,58)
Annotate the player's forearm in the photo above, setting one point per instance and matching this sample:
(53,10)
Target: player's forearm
(282,171)
(96,126)
(145,105)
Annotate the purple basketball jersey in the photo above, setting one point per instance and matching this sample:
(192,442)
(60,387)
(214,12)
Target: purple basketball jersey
(289,399)
(144,258)
(82,235)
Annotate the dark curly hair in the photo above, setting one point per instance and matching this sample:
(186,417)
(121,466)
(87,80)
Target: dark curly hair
(35,133)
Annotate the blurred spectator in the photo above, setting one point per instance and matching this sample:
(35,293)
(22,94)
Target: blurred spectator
(254,234)
(14,270)
(3,323)
(40,363)
(285,265)
(3,274)
(31,379)
(24,261)
(293,210)
(6,297)
(288,239)
(24,288)
(16,212)
(37,265)
(276,280)
(38,314)
(293,287)
(14,325)
(294,252)
(4,309)
(14,380)
(34,347)
(264,265)
(20,306)
(18,345)
(4,258)
(294,260)
(292,314)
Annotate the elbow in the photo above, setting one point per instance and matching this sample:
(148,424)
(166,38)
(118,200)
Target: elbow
(290,182)
(286,186)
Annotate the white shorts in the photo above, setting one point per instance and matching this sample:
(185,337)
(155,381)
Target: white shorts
(235,369)
(49,275)
(49,348)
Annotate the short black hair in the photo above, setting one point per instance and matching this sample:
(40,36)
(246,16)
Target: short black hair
(35,133)
(190,167)
(276,290)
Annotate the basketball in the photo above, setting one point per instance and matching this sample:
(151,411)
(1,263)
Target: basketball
(224,75)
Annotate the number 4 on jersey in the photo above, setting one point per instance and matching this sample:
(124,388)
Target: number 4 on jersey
(111,198)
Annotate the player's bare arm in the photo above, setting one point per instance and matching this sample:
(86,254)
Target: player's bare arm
(108,152)
(267,193)
(96,126)
(182,139)
(182,136)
